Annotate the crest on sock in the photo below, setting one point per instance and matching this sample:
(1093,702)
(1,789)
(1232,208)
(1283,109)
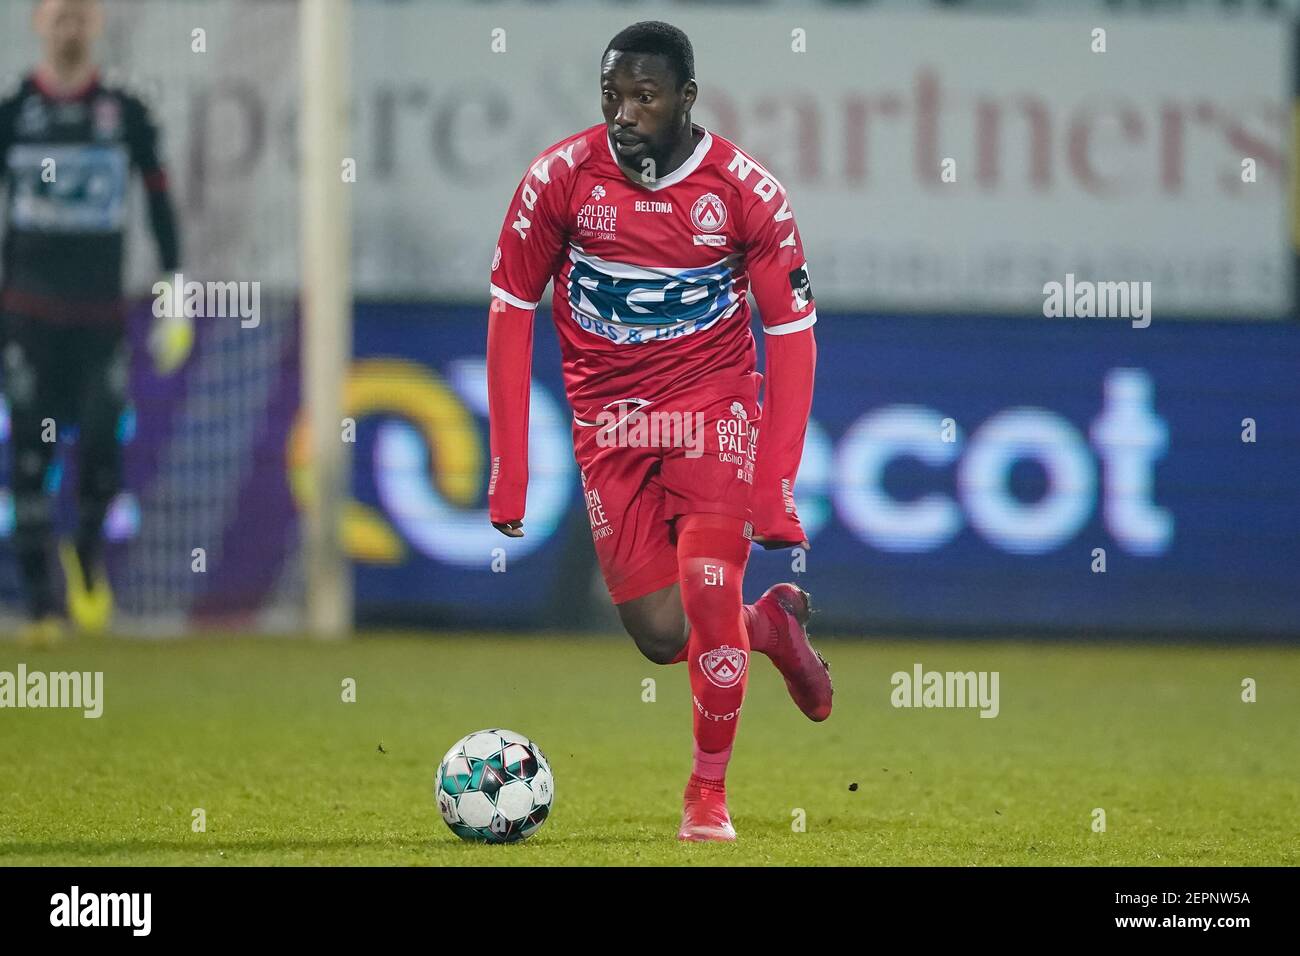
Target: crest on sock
(725,665)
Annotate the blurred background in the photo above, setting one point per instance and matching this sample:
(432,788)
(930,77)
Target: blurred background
(1169,158)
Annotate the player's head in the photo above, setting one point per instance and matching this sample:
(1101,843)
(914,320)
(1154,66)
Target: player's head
(647,89)
(67,28)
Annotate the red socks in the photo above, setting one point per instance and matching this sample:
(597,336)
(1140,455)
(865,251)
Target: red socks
(758,626)
(712,551)
(761,629)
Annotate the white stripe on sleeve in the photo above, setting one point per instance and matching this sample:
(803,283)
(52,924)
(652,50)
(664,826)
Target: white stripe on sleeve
(509,299)
(798,325)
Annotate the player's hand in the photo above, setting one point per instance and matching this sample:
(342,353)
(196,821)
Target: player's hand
(170,342)
(774,544)
(777,528)
(511,529)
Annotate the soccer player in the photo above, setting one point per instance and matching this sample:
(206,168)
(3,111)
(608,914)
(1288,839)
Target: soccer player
(654,229)
(68,144)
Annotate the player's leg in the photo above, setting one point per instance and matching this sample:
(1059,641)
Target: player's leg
(776,625)
(32,390)
(638,555)
(715,476)
(656,621)
(638,559)
(712,551)
(102,401)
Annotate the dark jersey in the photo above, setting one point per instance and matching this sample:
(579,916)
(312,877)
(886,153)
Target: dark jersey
(67,163)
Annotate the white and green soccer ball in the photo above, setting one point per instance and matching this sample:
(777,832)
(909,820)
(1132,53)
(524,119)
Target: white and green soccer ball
(494,786)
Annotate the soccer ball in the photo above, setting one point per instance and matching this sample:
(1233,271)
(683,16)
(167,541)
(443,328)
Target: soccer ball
(495,786)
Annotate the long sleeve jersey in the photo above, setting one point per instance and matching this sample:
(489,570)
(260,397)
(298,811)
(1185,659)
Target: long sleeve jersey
(650,299)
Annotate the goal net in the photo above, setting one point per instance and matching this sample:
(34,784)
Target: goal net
(206,531)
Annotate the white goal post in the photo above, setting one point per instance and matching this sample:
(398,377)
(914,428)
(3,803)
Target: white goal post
(325,231)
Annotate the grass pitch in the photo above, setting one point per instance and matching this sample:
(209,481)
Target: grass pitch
(256,734)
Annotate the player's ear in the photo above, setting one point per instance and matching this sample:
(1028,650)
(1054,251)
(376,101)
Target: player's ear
(689,93)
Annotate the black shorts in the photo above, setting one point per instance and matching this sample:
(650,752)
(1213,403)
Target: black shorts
(72,374)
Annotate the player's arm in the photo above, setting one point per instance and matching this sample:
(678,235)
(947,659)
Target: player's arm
(779,280)
(509,368)
(146,157)
(528,251)
(172,337)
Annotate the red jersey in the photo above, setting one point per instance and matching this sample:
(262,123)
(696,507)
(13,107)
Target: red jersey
(650,283)
(650,279)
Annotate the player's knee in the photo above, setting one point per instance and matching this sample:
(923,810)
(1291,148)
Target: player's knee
(659,639)
(659,648)
(712,589)
(711,553)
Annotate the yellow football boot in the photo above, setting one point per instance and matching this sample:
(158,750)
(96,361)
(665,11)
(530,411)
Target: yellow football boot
(42,632)
(90,609)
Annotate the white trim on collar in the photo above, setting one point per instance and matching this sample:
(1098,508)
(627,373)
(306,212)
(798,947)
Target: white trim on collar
(677,175)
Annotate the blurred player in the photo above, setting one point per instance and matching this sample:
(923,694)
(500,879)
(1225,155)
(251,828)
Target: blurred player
(653,230)
(68,145)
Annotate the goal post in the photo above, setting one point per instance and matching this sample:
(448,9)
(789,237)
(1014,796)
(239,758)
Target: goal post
(326,299)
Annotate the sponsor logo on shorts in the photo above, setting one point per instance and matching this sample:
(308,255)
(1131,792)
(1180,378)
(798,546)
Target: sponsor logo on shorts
(600,526)
(724,666)
(738,444)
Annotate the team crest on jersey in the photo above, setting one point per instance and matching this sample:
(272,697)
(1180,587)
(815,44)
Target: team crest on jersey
(709,214)
(724,666)
(108,118)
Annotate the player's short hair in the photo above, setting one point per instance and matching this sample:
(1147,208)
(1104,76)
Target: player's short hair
(655,36)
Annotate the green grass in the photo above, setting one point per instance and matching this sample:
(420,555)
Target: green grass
(255,733)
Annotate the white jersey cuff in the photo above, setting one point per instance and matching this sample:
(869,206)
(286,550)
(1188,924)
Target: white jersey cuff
(509,299)
(798,325)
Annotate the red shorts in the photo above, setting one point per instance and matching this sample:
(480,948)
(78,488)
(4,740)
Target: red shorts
(643,464)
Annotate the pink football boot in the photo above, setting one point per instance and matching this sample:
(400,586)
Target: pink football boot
(807,675)
(704,813)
